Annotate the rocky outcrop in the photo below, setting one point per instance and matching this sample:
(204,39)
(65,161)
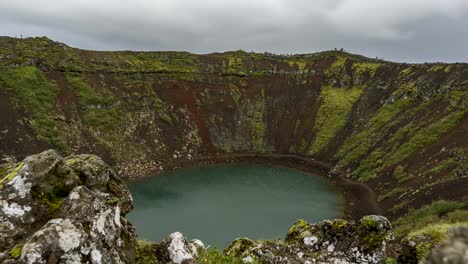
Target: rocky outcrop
(175,249)
(452,251)
(64,210)
(336,241)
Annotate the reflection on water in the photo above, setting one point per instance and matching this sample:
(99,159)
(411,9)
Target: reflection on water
(220,203)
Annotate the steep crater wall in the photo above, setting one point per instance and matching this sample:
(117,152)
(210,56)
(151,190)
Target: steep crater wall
(400,128)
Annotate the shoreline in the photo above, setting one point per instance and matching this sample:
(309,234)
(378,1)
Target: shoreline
(359,199)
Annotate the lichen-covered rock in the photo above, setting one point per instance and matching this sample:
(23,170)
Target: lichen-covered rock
(452,251)
(64,210)
(336,241)
(175,249)
(412,250)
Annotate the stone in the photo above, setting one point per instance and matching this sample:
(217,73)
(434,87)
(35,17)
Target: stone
(175,249)
(454,250)
(65,210)
(336,241)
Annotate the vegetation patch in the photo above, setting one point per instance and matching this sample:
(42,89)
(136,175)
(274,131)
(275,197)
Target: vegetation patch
(213,256)
(424,136)
(332,114)
(369,68)
(86,94)
(257,123)
(437,212)
(11,175)
(392,193)
(359,144)
(36,94)
(16,251)
(145,252)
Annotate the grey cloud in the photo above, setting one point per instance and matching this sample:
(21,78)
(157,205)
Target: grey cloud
(400,30)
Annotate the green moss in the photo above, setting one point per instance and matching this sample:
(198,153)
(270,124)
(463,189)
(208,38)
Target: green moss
(359,144)
(298,231)
(369,222)
(406,71)
(406,88)
(213,256)
(366,68)
(298,225)
(36,94)
(374,241)
(145,252)
(398,207)
(424,136)
(257,124)
(399,172)
(403,143)
(234,63)
(3,170)
(11,175)
(390,261)
(443,165)
(422,249)
(339,224)
(85,93)
(440,67)
(436,232)
(235,93)
(337,67)
(55,198)
(166,118)
(392,193)
(336,104)
(104,120)
(113,201)
(16,251)
(436,212)
(365,171)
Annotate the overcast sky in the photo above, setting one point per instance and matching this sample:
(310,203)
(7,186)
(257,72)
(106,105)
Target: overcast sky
(398,30)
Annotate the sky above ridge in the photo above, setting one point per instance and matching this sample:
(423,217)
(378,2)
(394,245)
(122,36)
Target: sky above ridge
(397,30)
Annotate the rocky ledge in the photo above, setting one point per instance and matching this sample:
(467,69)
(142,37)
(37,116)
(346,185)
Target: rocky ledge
(72,210)
(64,210)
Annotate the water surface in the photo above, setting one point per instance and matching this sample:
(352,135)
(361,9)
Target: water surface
(220,203)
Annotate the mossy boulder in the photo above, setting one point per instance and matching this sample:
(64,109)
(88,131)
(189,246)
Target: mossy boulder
(330,241)
(55,209)
(452,250)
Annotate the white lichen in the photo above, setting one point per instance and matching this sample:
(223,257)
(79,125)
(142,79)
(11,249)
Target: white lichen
(20,184)
(96,256)
(247,259)
(14,209)
(69,238)
(177,250)
(74,196)
(31,252)
(117,216)
(310,241)
(100,223)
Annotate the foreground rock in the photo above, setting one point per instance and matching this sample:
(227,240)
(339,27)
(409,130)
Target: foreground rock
(454,250)
(336,241)
(64,210)
(174,249)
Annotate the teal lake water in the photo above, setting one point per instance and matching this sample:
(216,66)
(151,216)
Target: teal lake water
(220,203)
